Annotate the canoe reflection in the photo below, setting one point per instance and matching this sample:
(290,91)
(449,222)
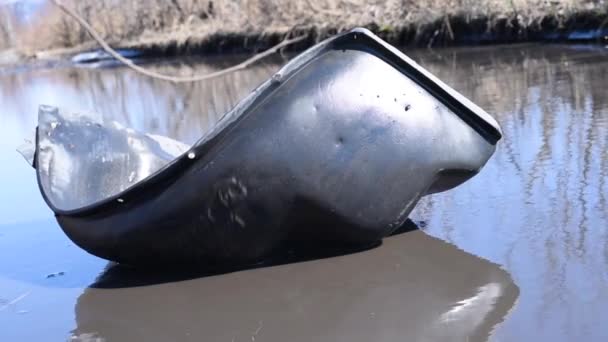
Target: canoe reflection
(413,288)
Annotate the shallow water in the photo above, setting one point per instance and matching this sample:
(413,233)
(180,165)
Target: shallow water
(527,247)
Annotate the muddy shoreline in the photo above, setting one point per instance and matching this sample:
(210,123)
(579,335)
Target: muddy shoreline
(449,31)
(583,27)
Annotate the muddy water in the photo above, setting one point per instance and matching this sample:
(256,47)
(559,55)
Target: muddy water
(518,253)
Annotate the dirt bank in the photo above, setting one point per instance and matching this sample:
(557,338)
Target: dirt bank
(182,26)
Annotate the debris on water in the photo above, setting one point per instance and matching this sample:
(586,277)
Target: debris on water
(407,107)
(99,55)
(226,202)
(131,176)
(53,275)
(22,312)
(422,224)
(54,125)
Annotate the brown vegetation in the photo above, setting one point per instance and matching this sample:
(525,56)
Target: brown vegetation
(222,25)
(6,29)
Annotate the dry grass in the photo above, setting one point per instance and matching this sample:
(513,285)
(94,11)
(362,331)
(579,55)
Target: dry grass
(6,29)
(156,23)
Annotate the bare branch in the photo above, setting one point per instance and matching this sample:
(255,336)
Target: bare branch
(174,79)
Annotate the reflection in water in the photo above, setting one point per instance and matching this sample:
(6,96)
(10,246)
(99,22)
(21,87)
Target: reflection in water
(402,288)
(484,298)
(181,111)
(538,209)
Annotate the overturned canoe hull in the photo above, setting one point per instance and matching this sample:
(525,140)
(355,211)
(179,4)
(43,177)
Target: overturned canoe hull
(338,146)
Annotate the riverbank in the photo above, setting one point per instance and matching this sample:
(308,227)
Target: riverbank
(184,26)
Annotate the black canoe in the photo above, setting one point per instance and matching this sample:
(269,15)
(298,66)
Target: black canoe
(338,146)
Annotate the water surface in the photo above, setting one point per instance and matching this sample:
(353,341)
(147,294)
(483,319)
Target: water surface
(518,253)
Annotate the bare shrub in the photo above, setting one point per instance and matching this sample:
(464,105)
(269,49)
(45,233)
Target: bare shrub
(6,29)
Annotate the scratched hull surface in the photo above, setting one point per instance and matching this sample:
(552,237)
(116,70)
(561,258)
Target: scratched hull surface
(338,146)
(537,209)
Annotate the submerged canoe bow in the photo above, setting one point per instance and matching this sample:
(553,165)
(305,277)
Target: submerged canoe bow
(339,146)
